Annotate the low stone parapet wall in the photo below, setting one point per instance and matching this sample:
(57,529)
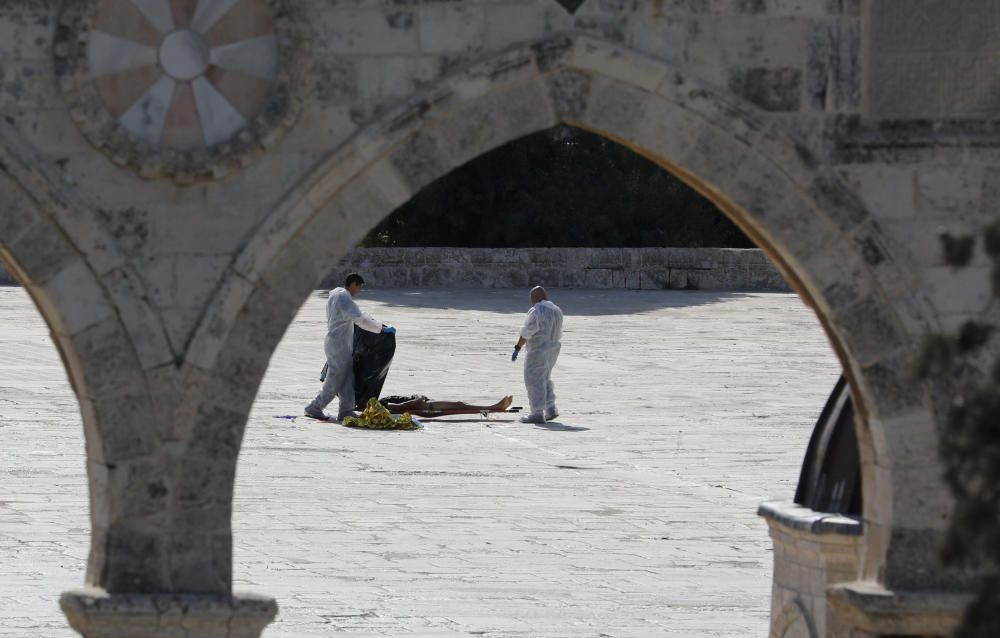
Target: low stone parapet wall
(635,268)
(812,551)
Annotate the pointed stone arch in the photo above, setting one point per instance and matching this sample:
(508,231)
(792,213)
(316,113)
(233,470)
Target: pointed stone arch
(91,340)
(125,377)
(793,205)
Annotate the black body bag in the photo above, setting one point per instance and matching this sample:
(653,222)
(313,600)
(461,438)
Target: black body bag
(373,354)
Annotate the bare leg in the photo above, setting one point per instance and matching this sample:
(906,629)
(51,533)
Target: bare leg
(422,406)
(415,404)
(499,406)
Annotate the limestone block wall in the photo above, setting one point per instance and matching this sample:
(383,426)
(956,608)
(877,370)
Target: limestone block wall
(934,62)
(636,268)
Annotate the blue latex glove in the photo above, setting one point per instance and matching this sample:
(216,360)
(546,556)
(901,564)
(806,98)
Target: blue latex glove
(389,330)
(513,356)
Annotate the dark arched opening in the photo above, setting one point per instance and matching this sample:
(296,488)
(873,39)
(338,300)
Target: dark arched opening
(560,187)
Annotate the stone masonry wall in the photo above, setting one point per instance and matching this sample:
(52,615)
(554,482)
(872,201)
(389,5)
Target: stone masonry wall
(795,60)
(353,63)
(812,550)
(637,268)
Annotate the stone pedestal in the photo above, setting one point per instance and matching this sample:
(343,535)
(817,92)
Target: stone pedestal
(812,550)
(96,614)
(866,610)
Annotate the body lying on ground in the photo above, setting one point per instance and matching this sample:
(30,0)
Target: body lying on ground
(420,405)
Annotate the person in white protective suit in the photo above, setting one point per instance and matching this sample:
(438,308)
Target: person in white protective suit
(342,314)
(541,333)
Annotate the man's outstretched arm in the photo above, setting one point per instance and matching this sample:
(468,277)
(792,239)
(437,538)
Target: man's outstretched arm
(367,322)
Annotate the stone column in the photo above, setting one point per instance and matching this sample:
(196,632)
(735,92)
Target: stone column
(812,550)
(162,445)
(161,467)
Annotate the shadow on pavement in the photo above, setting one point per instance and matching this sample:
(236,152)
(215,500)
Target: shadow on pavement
(556,426)
(579,302)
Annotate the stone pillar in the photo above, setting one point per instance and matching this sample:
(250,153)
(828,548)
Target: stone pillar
(816,592)
(161,441)
(160,564)
(812,550)
(96,614)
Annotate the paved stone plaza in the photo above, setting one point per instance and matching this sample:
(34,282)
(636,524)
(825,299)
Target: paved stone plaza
(632,515)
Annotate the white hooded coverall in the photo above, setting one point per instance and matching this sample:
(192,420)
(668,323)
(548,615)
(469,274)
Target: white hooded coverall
(342,314)
(543,331)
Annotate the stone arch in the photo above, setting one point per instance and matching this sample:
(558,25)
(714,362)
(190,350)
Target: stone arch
(119,365)
(795,207)
(85,328)
(793,622)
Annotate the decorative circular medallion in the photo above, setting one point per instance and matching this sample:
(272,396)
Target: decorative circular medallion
(184,54)
(186,89)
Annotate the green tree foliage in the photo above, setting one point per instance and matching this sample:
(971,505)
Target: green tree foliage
(559,187)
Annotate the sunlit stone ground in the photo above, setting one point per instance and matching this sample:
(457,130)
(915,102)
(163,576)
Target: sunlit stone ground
(632,515)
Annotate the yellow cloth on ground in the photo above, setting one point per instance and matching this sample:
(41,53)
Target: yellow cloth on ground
(377,417)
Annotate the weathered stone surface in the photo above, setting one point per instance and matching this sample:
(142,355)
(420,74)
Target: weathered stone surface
(613,108)
(387,31)
(874,336)
(45,255)
(888,191)
(947,191)
(648,268)
(833,77)
(144,485)
(892,386)
(389,77)
(865,609)
(19,212)
(213,329)
(421,161)
(200,562)
(135,560)
(97,614)
(570,94)
(483,126)
(73,287)
(927,59)
(770,89)
(451,28)
(745,41)
(518,22)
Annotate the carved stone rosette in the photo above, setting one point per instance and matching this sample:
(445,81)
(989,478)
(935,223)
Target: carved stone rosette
(179,89)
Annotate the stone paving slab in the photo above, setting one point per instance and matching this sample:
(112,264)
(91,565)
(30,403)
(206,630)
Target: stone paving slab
(631,515)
